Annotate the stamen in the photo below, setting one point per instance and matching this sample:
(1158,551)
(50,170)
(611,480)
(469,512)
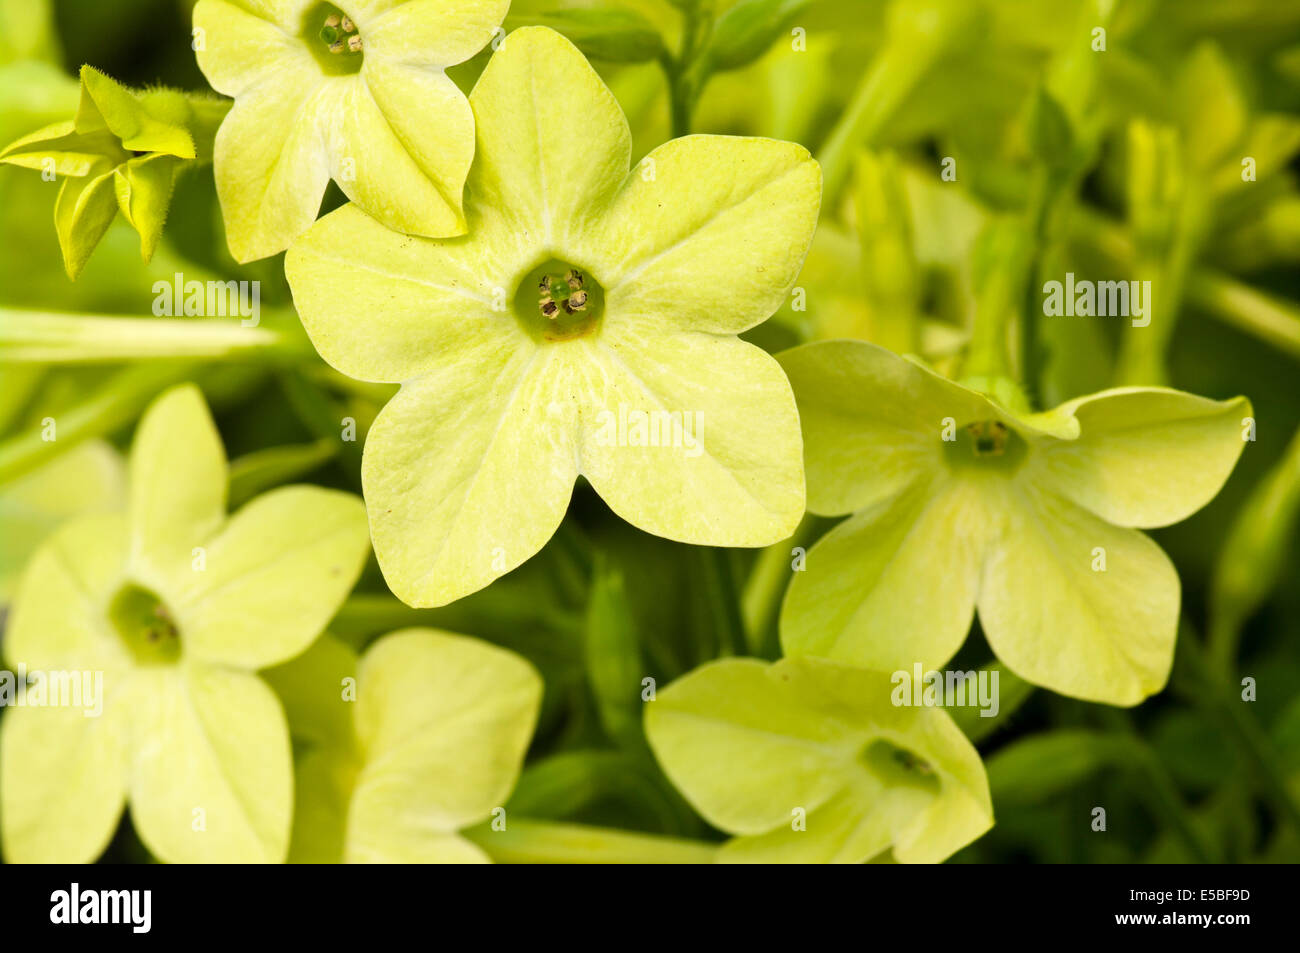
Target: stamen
(990,437)
(349,26)
(354,44)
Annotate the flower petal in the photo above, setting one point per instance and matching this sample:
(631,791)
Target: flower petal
(1146,456)
(82,213)
(212,779)
(380,306)
(872,421)
(245,43)
(90,477)
(550,187)
(178,479)
(107,104)
(57,621)
(62,782)
(711,232)
(716,458)
(272,164)
(430,32)
(409,134)
(1058,621)
(443,722)
(468,471)
(274,577)
(143,188)
(893,585)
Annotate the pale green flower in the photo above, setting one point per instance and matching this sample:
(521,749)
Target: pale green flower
(88,478)
(421,738)
(808,761)
(355,92)
(173,606)
(122,152)
(512,388)
(959,501)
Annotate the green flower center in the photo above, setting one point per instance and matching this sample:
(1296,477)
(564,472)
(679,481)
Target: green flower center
(145,625)
(557,301)
(988,445)
(333,38)
(897,766)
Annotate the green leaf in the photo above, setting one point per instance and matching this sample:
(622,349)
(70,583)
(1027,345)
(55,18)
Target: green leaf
(603,29)
(1043,766)
(748,28)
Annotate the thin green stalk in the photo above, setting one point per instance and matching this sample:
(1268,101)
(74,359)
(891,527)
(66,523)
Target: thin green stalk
(765,588)
(548,842)
(45,337)
(686,72)
(1275,321)
(722,602)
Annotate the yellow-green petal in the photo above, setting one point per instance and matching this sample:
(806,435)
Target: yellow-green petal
(273,577)
(872,422)
(272,165)
(379,306)
(143,188)
(813,741)
(88,478)
(107,104)
(57,620)
(443,722)
(63,782)
(247,43)
(896,583)
(710,232)
(550,187)
(82,213)
(211,779)
(406,136)
(1146,456)
(1075,604)
(429,32)
(178,480)
(717,458)
(468,471)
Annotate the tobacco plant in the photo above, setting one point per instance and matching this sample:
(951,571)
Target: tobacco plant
(682,431)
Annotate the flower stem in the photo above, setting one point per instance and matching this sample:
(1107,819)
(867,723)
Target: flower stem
(548,842)
(1247,309)
(114,404)
(46,337)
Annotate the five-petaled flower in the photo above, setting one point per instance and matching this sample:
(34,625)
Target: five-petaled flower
(959,502)
(176,606)
(808,761)
(354,91)
(506,396)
